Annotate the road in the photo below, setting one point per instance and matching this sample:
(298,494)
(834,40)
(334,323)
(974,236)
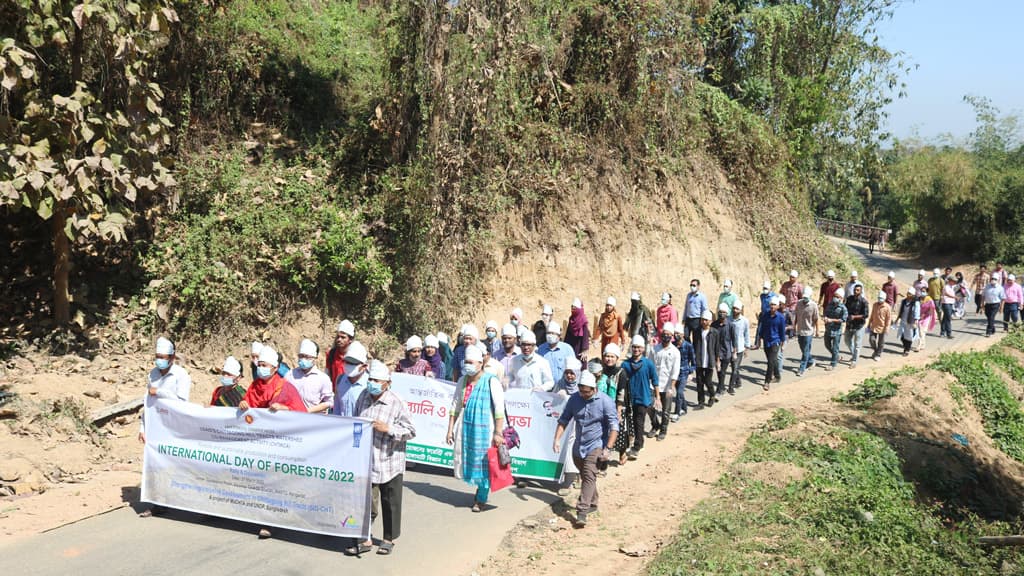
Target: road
(440,534)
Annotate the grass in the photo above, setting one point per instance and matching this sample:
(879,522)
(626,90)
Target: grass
(853,513)
(874,389)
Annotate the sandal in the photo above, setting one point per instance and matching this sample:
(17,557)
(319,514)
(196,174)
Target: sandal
(358,549)
(385,548)
(476,506)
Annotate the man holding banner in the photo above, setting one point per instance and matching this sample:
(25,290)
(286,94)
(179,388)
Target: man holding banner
(392,427)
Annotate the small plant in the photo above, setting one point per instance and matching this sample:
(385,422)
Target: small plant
(874,389)
(780,420)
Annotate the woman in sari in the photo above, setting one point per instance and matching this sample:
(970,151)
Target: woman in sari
(927,324)
(476,423)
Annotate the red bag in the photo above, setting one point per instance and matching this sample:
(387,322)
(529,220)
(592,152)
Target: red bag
(500,477)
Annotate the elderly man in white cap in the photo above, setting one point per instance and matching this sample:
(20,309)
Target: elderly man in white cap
(508,349)
(540,327)
(706,353)
(230,391)
(828,289)
(665,356)
(392,428)
(642,391)
(597,426)
(727,296)
(771,331)
(554,350)
(314,386)
(167,379)
(413,363)
(352,380)
(343,336)
(530,370)
(610,327)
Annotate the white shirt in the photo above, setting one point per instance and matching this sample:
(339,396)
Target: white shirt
(313,385)
(532,374)
(666,361)
(176,384)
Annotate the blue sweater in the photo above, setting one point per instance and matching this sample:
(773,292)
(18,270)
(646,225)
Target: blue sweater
(771,330)
(642,377)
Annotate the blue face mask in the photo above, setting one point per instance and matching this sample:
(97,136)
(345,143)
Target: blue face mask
(227,381)
(374,387)
(470,369)
(162,363)
(305,363)
(264,372)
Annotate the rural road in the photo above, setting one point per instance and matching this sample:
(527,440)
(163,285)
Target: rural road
(440,535)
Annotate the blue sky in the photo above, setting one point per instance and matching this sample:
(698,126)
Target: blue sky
(960,47)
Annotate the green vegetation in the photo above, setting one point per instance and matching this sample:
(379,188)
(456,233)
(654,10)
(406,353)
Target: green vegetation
(849,511)
(866,393)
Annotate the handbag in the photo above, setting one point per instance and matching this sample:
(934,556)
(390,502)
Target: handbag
(504,459)
(501,477)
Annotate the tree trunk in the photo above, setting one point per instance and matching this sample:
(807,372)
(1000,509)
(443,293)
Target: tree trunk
(61,265)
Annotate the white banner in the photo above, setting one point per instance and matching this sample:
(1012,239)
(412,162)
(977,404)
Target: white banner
(533,414)
(306,472)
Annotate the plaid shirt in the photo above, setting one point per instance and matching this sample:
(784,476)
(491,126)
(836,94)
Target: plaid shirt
(389,448)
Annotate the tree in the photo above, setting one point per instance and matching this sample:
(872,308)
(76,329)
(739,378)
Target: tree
(82,129)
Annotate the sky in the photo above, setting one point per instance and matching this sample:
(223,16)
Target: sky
(959,47)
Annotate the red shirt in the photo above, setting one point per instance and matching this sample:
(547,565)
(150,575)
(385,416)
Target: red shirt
(263,393)
(828,290)
(335,363)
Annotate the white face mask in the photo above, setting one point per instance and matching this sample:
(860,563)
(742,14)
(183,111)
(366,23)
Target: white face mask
(470,369)
(552,339)
(353,370)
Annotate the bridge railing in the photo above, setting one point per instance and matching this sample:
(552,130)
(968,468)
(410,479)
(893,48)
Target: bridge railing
(854,231)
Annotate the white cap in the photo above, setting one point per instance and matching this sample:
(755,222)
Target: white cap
(723,307)
(706,315)
(474,354)
(610,301)
(587,379)
(922,273)
(232,366)
(911,291)
(269,355)
(346,327)
(430,341)
(638,340)
(490,324)
(528,337)
(840,292)
(255,348)
(668,328)
(679,328)
(577,303)
(522,330)
(634,296)
(442,337)
(613,349)
(777,300)
(831,274)
(892,274)
(853,273)
(807,292)
(378,371)
(995,276)
(413,343)
(471,331)
(554,328)
(1011,277)
(517,312)
(727,283)
(595,366)
(164,346)
(767,284)
(357,352)
(794,274)
(483,348)
(508,330)
(573,363)
(547,309)
(308,348)
(936,271)
(738,304)
(882,296)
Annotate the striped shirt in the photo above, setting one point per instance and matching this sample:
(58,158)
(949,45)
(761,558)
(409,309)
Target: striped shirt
(388,448)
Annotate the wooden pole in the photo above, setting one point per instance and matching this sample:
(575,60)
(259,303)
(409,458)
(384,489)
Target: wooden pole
(1001,540)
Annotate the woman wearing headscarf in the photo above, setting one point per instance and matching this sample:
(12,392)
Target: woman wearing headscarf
(928,319)
(476,423)
(610,328)
(577,334)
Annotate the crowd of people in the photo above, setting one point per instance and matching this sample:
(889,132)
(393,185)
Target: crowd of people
(630,390)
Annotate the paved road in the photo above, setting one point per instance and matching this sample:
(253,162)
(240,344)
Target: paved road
(440,535)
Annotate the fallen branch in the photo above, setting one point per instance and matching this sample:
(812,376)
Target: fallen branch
(1002,540)
(107,412)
